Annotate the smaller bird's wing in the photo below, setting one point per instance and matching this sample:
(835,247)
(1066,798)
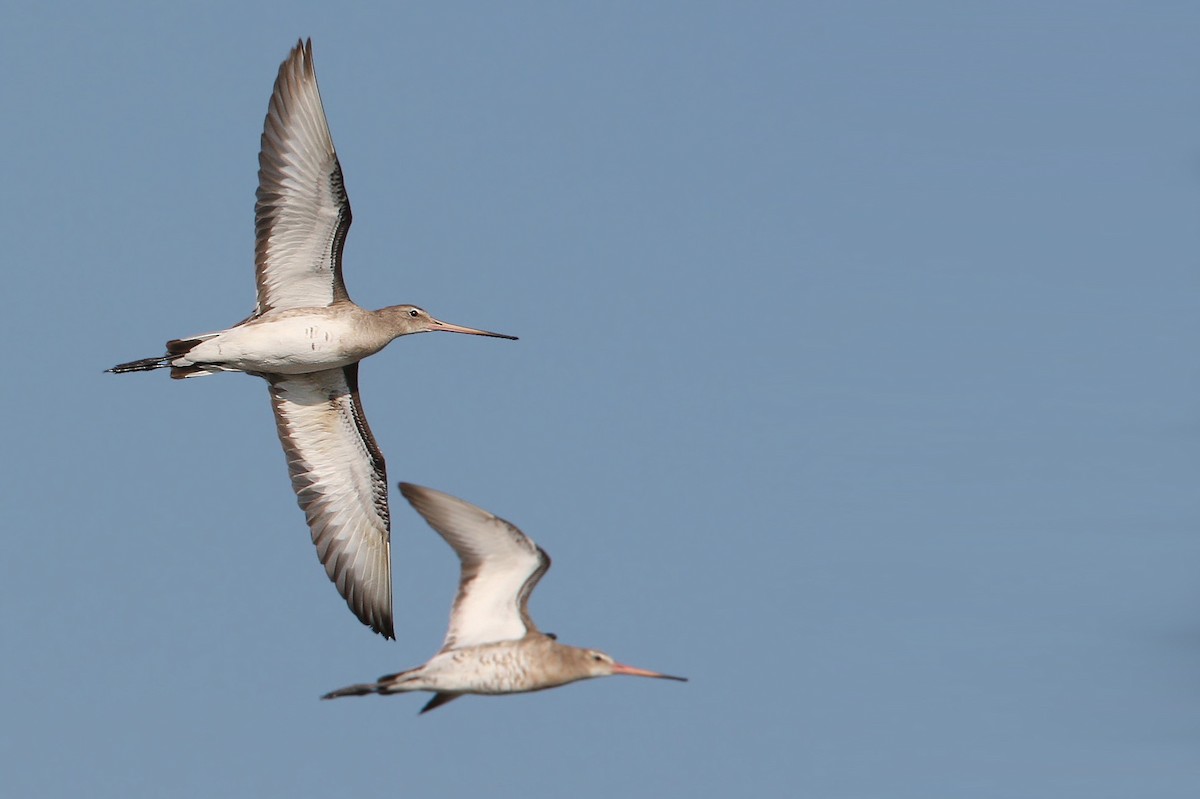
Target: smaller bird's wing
(500,568)
(302,214)
(340,480)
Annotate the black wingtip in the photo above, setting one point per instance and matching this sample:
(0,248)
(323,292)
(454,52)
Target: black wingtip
(386,629)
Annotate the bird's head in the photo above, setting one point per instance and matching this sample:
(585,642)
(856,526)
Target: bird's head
(406,319)
(594,663)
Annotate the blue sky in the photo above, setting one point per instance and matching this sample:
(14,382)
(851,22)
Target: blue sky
(856,382)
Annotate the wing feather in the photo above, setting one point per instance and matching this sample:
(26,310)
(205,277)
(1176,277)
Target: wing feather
(340,480)
(302,214)
(500,568)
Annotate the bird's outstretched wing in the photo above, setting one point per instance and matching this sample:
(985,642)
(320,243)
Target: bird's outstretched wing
(500,568)
(340,480)
(302,214)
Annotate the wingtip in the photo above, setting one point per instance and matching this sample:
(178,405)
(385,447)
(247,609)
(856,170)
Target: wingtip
(380,624)
(416,493)
(375,616)
(413,492)
(301,52)
(381,620)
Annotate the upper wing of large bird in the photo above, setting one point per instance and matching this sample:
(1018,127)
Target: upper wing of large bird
(341,483)
(500,568)
(302,214)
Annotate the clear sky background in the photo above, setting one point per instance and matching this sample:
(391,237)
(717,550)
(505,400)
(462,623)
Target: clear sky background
(857,382)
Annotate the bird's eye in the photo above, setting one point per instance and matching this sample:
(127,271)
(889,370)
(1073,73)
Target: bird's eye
(598,658)
(414,313)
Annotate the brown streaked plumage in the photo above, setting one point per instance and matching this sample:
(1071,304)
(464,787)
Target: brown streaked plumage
(492,645)
(306,338)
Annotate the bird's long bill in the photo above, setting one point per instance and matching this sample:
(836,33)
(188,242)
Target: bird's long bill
(621,668)
(438,324)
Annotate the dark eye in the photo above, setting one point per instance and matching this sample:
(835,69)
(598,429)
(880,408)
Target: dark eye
(414,313)
(597,658)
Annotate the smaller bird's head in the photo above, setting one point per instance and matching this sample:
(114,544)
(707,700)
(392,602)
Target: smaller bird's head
(406,319)
(594,663)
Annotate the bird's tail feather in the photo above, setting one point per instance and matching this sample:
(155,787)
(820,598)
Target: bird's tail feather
(143,365)
(176,348)
(387,684)
(362,689)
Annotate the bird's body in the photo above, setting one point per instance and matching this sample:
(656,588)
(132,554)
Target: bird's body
(299,340)
(306,338)
(492,646)
(293,341)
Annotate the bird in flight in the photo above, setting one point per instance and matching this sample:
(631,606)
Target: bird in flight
(492,646)
(306,338)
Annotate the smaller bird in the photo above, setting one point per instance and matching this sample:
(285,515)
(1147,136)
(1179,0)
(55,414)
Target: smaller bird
(492,645)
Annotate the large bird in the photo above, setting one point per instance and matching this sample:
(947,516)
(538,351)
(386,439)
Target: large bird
(306,337)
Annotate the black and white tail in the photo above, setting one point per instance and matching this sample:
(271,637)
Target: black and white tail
(144,365)
(392,684)
(362,689)
(387,684)
(175,348)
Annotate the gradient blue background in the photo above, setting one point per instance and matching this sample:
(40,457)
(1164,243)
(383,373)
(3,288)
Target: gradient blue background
(856,381)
